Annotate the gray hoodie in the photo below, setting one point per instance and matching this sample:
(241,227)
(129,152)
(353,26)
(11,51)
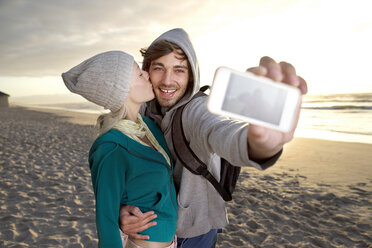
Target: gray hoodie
(201,208)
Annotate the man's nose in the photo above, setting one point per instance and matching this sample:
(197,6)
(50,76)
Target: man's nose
(167,77)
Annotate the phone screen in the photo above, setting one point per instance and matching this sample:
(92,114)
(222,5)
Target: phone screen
(254,99)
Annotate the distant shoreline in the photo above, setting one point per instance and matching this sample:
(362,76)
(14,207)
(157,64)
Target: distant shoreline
(75,117)
(90,108)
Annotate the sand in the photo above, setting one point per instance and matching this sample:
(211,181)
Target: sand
(317,195)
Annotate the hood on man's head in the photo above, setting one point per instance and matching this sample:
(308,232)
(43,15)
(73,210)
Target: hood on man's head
(179,37)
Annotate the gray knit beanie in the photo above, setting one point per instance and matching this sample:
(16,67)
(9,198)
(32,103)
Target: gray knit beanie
(103,79)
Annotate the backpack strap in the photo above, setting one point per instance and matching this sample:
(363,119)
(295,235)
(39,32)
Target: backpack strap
(184,152)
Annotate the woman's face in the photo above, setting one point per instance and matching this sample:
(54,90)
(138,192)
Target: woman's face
(140,88)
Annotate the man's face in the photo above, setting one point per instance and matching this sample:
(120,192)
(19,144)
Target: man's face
(169,77)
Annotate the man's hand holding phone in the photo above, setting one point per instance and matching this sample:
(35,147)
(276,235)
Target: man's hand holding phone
(268,97)
(264,142)
(254,99)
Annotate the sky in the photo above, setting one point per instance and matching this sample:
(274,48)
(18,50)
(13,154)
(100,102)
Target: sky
(328,41)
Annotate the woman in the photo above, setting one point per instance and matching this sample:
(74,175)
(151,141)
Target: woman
(130,162)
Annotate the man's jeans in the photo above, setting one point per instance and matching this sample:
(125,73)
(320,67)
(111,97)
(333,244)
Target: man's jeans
(202,241)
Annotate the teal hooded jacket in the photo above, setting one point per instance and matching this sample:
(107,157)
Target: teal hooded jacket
(126,172)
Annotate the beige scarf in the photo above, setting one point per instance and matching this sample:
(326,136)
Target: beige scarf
(138,130)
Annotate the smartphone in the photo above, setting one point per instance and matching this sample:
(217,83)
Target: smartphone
(254,99)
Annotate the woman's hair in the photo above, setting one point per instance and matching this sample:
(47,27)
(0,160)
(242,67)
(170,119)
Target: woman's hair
(107,121)
(160,49)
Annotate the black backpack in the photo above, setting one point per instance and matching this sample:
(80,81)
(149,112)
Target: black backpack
(229,173)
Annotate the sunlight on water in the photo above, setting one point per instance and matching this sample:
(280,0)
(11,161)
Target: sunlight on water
(328,135)
(345,117)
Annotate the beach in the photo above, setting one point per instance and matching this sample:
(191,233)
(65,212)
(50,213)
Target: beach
(319,194)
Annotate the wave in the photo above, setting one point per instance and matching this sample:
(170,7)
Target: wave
(335,100)
(353,98)
(351,132)
(341,131)
(339,107)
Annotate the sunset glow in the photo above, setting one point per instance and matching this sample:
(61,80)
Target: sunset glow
(327,41)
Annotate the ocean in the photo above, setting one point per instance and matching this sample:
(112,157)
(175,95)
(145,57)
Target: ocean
(340,117)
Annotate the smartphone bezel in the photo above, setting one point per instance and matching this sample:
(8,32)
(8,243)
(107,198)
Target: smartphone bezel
(219,89)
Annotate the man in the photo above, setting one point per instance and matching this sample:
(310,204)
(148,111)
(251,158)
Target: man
(174,73)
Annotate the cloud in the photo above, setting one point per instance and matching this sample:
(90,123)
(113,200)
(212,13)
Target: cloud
(42,38)
(46,37)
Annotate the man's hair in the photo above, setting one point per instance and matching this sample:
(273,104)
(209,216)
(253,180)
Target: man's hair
(160,49)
